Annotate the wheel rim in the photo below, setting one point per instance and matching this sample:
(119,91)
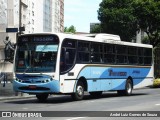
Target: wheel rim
(80,90)
(129,88)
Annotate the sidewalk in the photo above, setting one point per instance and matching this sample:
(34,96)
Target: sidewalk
(7,93)
(2,98)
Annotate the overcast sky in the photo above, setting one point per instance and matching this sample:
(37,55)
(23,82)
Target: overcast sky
(81,13)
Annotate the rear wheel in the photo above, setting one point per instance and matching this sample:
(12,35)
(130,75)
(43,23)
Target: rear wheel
(42,97)
(128,89)
(79,94)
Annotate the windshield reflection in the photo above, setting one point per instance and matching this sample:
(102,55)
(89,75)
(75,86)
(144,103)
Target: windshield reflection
(36,58)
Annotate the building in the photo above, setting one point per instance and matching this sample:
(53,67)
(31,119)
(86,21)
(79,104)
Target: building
(35,16)
(140,36)
(46,16)
(7,10)
(52,19)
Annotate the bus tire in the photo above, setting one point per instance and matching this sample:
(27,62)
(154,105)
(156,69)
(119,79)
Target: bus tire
(42,97)
(96,94)
(79,93)
(128,89)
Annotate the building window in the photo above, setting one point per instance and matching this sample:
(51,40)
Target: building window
(32,5)
(32,21)
(32,13)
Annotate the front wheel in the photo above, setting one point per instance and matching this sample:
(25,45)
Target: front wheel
(128,89)
(79,94)
(42,97)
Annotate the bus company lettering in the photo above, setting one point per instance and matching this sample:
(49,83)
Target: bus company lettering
(113,73)
(136,72)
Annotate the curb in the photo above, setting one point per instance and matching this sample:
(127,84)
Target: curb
(15,97)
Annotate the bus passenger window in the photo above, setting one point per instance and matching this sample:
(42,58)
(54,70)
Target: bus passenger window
(97,53)
(83,55)
(68,54)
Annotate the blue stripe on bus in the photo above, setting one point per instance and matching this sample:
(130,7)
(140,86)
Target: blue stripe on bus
(115,77)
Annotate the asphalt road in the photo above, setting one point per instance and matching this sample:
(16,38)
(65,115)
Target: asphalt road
(145,100)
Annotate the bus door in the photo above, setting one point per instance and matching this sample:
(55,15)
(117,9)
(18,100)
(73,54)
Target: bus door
(67,62)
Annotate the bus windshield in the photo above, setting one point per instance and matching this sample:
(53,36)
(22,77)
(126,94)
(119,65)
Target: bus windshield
(36,57)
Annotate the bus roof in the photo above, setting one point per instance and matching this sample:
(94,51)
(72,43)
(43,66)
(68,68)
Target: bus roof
(103,38)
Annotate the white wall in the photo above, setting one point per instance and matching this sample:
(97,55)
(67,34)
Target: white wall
(39,16)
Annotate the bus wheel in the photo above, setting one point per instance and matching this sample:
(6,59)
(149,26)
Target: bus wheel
(128,89)
(96,94)
(79,94)
(42,97)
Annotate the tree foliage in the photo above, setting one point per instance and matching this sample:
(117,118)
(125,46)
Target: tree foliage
(126,17)
(96,29)
(117,17)
(147,13)
(70,29)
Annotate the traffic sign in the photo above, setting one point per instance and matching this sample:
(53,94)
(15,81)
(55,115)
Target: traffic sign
(11,29)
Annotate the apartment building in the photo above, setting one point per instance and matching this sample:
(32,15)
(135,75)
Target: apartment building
(35,15)
(51,13)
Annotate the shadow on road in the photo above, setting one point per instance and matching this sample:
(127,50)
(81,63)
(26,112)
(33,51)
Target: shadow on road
(58,99)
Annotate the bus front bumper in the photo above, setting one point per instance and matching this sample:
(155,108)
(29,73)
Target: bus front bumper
(50,87)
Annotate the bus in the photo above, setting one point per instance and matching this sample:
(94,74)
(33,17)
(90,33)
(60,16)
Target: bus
(48,63)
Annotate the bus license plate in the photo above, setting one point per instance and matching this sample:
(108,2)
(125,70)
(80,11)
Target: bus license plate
(32,86)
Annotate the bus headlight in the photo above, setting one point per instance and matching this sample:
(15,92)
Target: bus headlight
(18,80)
(46,81)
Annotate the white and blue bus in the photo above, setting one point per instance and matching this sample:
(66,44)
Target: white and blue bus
(72,64)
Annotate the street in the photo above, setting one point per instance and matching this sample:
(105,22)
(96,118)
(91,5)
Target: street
(147,99)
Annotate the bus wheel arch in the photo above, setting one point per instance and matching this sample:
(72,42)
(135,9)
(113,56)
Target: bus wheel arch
(131,79)
(128,88)
(80,87)
(84,81)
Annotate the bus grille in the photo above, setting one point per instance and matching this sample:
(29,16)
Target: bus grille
(33,82)
(37,88)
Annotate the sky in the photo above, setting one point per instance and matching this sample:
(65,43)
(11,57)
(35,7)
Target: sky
(80,13)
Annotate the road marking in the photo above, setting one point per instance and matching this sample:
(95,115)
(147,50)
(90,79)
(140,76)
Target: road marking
(76,118)
(157,104)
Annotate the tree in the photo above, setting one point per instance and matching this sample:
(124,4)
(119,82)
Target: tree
(117,17)
(145,40)
(95,28)
(71,29)
(147,13)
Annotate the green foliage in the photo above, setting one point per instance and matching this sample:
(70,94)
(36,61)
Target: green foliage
(117,17)
(145,40)
(147,13)
(125,17)
(96,29)
(71,29)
